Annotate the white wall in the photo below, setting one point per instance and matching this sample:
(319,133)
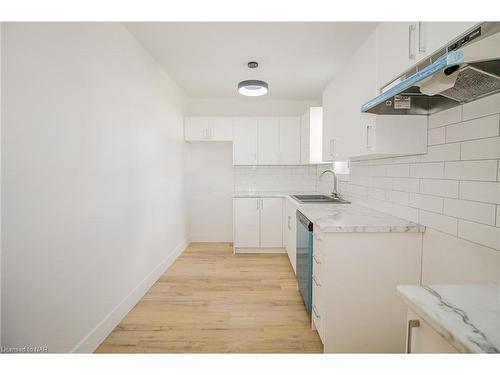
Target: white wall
(209,188)
(92,195)
(453,189)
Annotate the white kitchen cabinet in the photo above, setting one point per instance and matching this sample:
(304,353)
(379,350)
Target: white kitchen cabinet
(266,140)
(434,36)
(269,141)
(245,140)
(393,135)
(258,224)
(402,45)
(271,223)
(396,49)
(356,307)
(311,133)
(246,222)
(289,141)
(290,232)
(422,338)
(344,126)
(205,128)
(221,128)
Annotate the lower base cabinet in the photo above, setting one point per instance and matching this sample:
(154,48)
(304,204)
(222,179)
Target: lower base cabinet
(422,338)
(290,233)
(355,305)
(258,224)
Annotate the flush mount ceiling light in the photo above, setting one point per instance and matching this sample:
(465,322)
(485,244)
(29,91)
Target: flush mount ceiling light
(253,87)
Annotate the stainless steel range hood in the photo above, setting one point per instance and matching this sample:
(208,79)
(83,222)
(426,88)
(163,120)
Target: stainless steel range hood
(466,70)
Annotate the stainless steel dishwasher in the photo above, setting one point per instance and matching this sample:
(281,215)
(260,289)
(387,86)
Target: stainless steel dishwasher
(304,258)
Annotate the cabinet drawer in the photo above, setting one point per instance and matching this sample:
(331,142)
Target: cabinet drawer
(318,322)
(318,268)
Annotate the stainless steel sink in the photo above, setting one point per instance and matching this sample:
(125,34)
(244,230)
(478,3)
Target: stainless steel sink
(318,199)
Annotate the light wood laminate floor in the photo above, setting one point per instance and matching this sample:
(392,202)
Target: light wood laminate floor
(211,301)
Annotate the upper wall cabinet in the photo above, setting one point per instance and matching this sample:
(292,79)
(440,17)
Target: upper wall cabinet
(344,126)
(401,45)
(290,140)
(245,140)
(204,128)
(266,141)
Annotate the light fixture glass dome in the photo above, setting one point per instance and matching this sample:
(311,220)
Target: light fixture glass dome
(253,87)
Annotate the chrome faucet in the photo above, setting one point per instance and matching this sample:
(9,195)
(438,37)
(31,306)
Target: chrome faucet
(335,193)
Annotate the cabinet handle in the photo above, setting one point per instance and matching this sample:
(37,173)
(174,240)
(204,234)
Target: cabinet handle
(262,204)
(315,313)
(316,281)
(412,323)
(258,204)
(332,148)
(316,259)
(421,37)
(289,225)
(209,133)
(411,31)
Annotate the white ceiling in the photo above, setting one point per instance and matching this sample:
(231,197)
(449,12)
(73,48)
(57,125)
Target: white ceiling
(297,59)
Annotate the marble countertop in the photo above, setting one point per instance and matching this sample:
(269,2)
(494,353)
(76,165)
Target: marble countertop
(468,316)
(357,219)
(334,217)
(271,194)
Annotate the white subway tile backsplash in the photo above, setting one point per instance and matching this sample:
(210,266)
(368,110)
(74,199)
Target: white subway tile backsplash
(454,187)
(398,197)
(478,128)
(480,212)
(377,194)
(487,148)
(484,170)
(442,153)
(436,136)
(480,191)
(482,234)
(398,170)
(450,116)
(405,212)
(382,182)
(427,170)
(442,188)
(406,184)
(426,202)
(440,222)
(482,107)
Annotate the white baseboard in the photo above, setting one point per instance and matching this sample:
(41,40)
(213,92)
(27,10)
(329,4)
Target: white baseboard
(90,343)
(259,250)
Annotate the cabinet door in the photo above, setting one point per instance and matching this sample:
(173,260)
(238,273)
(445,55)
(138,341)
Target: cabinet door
(221,128)
(246,222)
(423,338)
(289,147)
(290,228)
(245,141)
(196,129)
(435,35)
(344,126)
(397,49)
(269,140)
(271,222)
